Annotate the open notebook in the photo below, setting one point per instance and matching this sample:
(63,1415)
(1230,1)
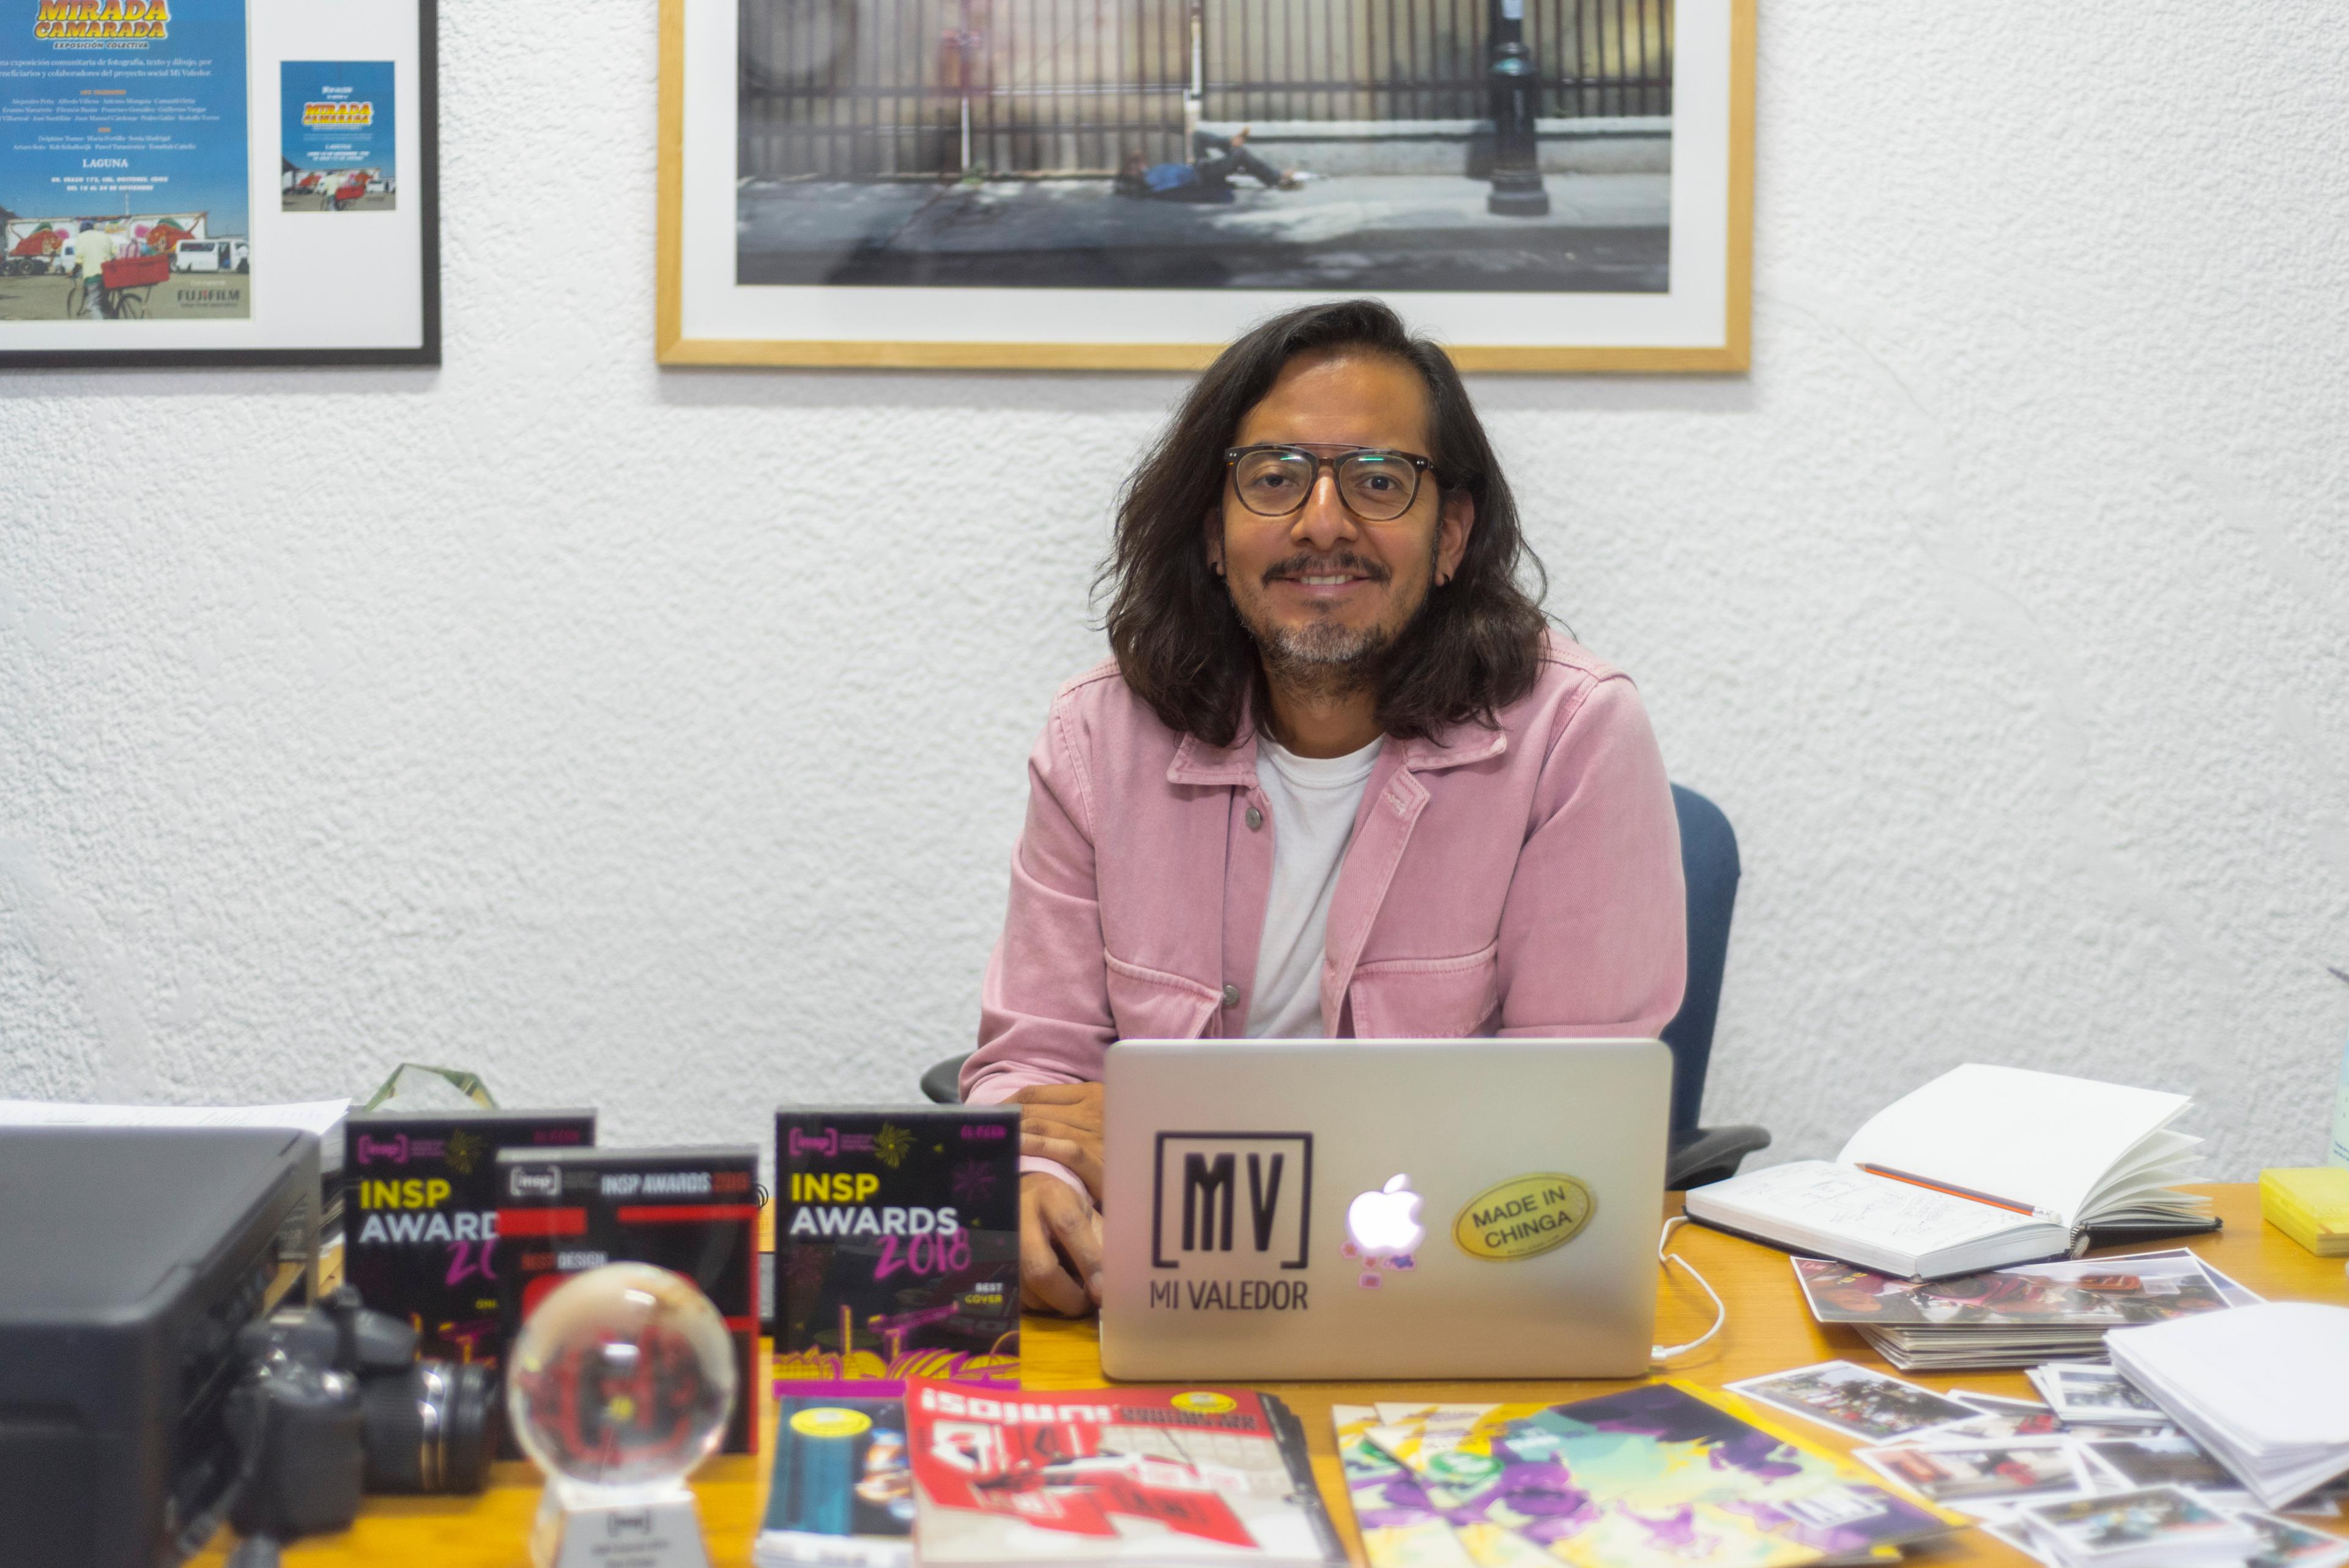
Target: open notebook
(1982,1168)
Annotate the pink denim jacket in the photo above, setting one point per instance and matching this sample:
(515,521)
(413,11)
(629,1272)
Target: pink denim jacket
(1523,880)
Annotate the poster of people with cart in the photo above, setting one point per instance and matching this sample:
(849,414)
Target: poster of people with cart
(123,161)
(178,180)
(1543,185)
(340,142)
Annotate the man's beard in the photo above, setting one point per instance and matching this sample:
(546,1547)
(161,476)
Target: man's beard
(1322,660)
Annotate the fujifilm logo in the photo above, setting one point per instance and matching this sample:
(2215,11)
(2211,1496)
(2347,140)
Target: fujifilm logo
(534,1181)
(1231,1216)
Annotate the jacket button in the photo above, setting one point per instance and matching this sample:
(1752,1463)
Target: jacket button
(1255,818)
(1231,996)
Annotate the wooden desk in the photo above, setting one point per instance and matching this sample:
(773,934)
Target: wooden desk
(1769,1330)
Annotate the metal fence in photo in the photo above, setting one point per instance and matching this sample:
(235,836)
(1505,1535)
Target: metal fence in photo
(928,88)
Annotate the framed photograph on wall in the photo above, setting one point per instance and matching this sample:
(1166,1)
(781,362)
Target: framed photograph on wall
(1542,184)
(219,183)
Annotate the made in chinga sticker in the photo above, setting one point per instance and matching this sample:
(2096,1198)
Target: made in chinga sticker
(1524,1216)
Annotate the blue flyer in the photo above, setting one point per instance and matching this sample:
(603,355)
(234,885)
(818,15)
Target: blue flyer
(338,138)
(124,175)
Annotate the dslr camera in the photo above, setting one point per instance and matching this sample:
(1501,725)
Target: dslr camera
(333,1401)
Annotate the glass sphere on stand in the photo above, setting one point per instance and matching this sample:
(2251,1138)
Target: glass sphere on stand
(619,1384)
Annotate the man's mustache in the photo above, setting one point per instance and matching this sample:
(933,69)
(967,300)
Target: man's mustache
(1312,566)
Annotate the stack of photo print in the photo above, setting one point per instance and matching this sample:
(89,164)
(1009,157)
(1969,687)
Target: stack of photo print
(2093,1478)
(2014,1318)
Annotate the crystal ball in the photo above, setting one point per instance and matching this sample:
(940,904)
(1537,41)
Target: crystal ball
(622,1379)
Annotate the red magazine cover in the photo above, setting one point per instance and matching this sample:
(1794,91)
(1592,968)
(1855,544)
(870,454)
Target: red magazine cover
(1111,1475)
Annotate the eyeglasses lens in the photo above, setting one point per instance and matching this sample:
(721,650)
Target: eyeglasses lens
(1376,486)
(1274,484)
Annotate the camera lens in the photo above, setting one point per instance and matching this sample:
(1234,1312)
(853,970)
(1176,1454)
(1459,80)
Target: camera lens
(427,1429)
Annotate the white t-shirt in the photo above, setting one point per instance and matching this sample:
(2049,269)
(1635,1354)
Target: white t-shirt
(1313,802)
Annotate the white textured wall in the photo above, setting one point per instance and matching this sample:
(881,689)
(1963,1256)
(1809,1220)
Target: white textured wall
(655,740)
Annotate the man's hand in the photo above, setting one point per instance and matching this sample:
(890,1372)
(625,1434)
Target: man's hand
(1060,1246)
(1062,1122)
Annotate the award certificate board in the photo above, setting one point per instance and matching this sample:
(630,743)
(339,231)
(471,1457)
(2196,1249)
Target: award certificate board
(219,183)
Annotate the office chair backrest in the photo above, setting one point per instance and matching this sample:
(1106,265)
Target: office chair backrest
(1709,865)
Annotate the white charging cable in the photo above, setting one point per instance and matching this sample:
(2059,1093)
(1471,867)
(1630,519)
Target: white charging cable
(1720,1313)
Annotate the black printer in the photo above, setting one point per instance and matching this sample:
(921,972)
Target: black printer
(129,1257)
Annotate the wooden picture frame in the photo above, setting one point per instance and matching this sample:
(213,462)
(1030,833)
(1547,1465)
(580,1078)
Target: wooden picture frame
(347,273)
(707,315)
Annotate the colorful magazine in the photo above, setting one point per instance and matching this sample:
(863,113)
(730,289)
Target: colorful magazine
(1665,1472)
(1100,1476)
(1400,1528)
(842,1488)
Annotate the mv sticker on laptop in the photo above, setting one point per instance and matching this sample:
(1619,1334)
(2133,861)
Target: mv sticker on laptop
(1524,1216)
(1231,1220)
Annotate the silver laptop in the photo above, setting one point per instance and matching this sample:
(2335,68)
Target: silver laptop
(1278,1209)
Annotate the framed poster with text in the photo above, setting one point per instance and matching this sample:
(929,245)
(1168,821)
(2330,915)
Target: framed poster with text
(1539,184)
(219,183)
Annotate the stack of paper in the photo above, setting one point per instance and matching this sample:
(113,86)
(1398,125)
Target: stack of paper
(2265,1389)
(2310,1205)
(2014,1318)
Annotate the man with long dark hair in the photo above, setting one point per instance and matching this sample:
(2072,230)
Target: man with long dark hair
(1340,779)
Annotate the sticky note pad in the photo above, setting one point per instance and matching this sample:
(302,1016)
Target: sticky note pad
(2310,1205)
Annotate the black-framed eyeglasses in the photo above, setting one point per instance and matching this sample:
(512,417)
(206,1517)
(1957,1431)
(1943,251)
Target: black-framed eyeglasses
(1377,484)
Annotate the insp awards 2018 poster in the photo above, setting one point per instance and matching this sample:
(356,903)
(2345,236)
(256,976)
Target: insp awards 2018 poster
(336,120)
(124,178)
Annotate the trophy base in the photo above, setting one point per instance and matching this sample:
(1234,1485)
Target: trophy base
(576,1528)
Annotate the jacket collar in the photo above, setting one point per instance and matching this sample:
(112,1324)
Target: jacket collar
(1461,743)
(1198,763)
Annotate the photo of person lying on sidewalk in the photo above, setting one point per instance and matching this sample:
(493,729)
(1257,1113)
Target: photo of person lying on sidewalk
(1207,177)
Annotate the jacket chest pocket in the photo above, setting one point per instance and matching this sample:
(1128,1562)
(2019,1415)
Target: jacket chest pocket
(1151,1004)
(1425,999)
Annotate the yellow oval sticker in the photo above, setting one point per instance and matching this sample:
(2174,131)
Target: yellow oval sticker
(1524,1216)
(830,1421)
(1205,1402)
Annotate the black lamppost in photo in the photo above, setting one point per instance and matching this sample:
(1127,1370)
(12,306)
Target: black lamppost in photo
(1516,100)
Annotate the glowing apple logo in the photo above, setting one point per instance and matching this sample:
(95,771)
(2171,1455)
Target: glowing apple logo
(1384,1224)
